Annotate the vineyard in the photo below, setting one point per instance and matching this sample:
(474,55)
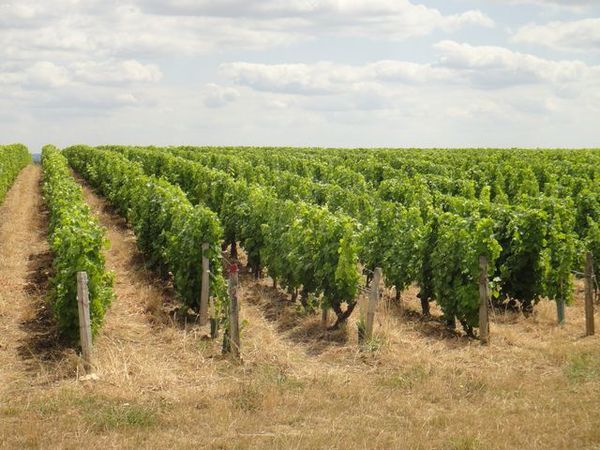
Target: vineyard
(316,221)
(225,285)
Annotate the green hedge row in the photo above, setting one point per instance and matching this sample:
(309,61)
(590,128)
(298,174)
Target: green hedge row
(77,241)
(12,159)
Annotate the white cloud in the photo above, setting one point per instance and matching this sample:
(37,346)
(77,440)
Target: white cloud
(580,35)
(486,67)
(569,5)
(63,30)
(10,12)
(115,72)
(46,74)
(326,77)
(308,79)
(40,75)
(374,18)
(491,66)
(215,96)
(70,29)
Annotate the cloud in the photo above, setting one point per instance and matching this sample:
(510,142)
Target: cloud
(115,72)
(480,67)
(580,35)
(490,66)
(326,77)
(63,30)
(577,6)
(398,19)
(59,30)
(46,74)
(69,45)
(40,75)
(306,79)
(216,96)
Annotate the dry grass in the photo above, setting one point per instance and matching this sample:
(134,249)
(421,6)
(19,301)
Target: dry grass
(161,384)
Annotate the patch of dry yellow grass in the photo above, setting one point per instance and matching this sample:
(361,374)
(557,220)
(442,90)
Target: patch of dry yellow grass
(162,384)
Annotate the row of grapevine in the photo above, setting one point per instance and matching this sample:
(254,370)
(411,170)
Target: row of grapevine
(510,173)
(537,234)
(12,160)
(283,234)
(302,245)
(531,265)
(77,242)
(169,230)
(408,224)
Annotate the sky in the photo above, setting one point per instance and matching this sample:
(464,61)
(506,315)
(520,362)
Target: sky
(338,73)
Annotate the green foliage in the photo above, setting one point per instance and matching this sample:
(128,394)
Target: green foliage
(12,159)
(169,230)
(541,208)
(562,248)
(301,244)
(77,242)
(395,241)
(592,243)
(521,267)
(460,243)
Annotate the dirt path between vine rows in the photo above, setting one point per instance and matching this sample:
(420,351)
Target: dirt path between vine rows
(139,346)
(24,263)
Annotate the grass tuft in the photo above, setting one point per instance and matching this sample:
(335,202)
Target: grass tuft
(583,367)
(405,379)
(465,443)
(123,416)
(247,397)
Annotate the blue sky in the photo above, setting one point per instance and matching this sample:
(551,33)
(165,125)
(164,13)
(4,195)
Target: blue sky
(345,73)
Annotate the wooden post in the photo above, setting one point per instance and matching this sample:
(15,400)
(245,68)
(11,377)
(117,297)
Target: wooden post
(363,306)
(373,300)
(234,312)
(214,321)
(324,316)
(560,311)
(589,295)
(205,287)
(85,327)
(399,301)
(484,299)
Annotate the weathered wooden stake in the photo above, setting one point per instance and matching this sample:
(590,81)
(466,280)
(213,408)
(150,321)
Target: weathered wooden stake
(214,321)
(399,300)
(589,295)
(324,317)
(363,306)
(373,300)
(205,288)
(484,299)
(85,326)
(560,311)
(234,311)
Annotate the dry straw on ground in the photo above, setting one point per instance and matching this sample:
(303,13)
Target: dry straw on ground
(162,384)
